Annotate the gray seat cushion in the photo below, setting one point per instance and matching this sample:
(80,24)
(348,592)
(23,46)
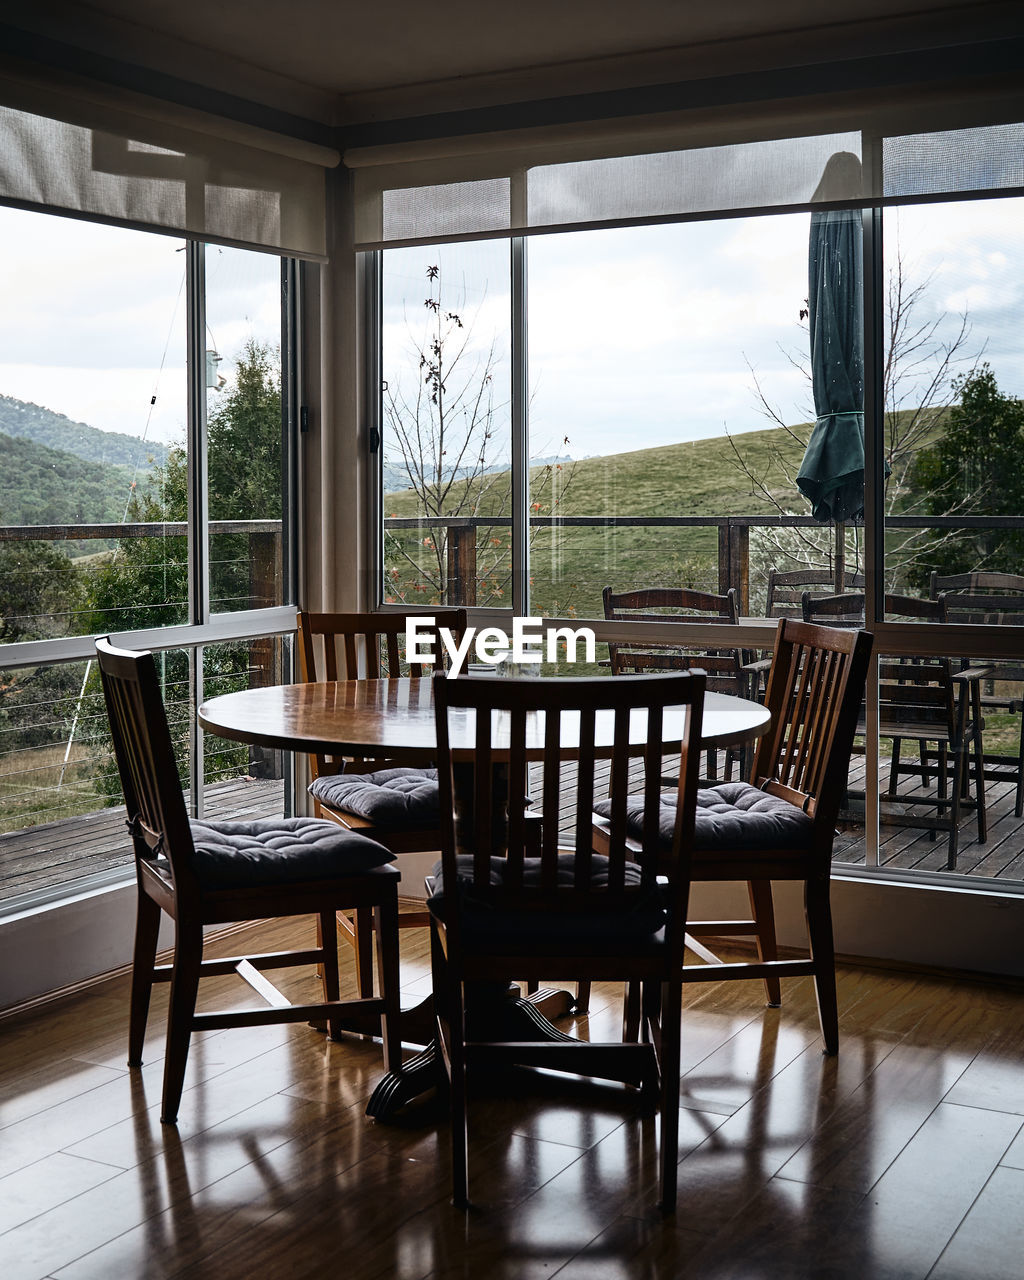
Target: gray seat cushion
(731,816)
(630,919)
(387,798)
(268,851)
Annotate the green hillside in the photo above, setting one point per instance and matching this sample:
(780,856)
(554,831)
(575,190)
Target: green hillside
(570,566)
(748,474)
(40,485)
(26,421)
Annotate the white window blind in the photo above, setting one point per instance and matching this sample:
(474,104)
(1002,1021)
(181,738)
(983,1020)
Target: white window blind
(470,187)
(117,156)
(987,159)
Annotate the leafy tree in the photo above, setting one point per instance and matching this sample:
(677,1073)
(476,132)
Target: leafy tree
(40,594)
(145,582)
(975,469)
(244,440)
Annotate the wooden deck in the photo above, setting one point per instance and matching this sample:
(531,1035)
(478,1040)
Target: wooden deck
(901,848)
(56,853)
(61,852)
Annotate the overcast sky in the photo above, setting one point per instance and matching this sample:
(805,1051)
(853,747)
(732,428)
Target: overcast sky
(92,319)
(654,335)
(638,337)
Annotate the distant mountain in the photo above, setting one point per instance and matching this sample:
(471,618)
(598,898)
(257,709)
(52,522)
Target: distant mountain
(396,475)
(25,421)
(40,485)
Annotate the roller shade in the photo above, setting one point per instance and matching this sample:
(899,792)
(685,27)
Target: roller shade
(404,195)
(604,190)
(117,157)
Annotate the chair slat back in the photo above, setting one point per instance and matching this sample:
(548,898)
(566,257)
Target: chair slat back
(366,646)
(983,609)
(723,667)
(558,720)
(913,607)
(786,589)
(671,602)
(815,688)
(155,805)
(977,582)
(844,610)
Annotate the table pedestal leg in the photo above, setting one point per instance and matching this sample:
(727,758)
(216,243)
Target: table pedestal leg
(497,1016)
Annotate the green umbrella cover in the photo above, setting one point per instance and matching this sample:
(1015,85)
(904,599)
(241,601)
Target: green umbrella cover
(832,472)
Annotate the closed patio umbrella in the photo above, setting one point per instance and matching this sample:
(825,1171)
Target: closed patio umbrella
(831,475)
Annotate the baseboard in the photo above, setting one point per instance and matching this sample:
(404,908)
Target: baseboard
(124,970)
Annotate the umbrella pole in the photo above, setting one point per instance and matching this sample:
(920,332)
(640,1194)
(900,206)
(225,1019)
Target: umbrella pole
(840,557)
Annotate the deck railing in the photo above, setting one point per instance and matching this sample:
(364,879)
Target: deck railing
(733,540)
(460,538)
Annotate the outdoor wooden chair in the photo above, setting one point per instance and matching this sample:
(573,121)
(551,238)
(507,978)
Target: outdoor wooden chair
(390,802)
(725,667)
(508,900)
(927,700)
(986,598)
(780,825)
(204,873)
(786,589)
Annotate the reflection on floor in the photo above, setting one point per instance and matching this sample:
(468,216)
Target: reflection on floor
(902,1157)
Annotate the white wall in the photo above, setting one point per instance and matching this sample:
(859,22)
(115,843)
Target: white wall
(975,931)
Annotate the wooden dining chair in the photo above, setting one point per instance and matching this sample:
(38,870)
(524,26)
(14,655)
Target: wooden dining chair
(786,588)
(508,900)
(781,824)
(204,873)
(393,803)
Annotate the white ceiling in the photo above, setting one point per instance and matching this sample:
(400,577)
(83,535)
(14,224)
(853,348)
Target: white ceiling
(341,59)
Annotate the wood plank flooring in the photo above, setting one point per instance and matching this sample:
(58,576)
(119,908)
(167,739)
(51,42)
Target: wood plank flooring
(902,1157)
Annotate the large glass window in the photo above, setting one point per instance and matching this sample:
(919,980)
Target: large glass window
(246,442)
(697,404)
(102,433)
(954,420)
(671,402)
(446,414)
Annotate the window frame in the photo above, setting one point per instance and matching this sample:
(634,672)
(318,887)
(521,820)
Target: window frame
(891,638)
(203,626)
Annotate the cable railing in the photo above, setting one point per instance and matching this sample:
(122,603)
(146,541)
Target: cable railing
(456,560)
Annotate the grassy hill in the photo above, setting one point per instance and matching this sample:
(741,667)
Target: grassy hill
(743,475)
(56,471)
(570,566)
(26,421)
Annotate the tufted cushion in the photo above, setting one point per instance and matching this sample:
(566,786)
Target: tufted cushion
(239,855)
(640,916)
(733,815)
(387,798)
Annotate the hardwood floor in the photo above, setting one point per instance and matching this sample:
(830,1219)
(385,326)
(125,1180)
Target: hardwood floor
(903,1157)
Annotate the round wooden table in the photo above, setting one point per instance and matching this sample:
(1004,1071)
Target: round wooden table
(394,720)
